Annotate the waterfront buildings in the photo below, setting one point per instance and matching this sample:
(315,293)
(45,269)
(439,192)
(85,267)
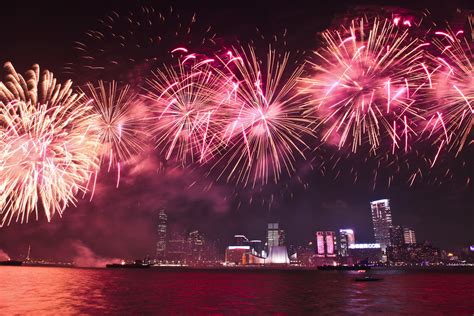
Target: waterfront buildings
(273,235)
(346,238)
(237,255)
(177,248)
(366,253)
(382,221)
(409,236)
(402,235)
(196,247)
(396,236)
(326,244)
(161,234)
(414,254)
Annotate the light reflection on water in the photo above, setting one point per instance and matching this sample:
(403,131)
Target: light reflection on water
(41,290)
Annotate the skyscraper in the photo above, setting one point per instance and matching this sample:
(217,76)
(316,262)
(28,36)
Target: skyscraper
(326,244)
(273,235)
(409,236)
(196,244)
(402,235)
(396,236)
(382,221)
(161,242)
(346,239)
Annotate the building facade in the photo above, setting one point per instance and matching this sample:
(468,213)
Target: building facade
(382,221)
(366,253)
(161,232)
(273,235)
(326,244)
(346,238)
(409,237)
(396,236)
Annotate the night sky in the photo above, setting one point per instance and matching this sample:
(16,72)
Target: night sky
(122,222)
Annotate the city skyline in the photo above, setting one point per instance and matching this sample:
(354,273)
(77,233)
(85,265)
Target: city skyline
(122,220)
(176,157)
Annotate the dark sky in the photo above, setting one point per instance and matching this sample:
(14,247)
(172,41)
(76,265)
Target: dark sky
(121,222)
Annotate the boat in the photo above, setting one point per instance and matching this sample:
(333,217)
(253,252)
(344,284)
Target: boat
(343,268)
(367,279)
(138,264)
(11,263)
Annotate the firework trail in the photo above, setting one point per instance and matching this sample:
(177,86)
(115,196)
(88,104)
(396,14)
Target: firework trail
(186,102)
(264,130)
(364,83)
(35,88)
(451,94)
(128,45)
(120,124)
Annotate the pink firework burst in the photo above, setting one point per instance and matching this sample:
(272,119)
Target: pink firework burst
(451,97)
(186,102)
(363,85)
(264,128)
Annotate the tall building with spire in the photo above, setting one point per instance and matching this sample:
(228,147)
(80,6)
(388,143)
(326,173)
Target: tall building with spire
(161,241)
(382,221)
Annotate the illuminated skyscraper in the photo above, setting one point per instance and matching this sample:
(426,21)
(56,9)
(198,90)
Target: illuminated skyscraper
(326,244)
(382,221)
(346,239)
(161,242)
(409,236)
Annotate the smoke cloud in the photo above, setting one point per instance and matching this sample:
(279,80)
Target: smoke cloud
(3,255)
(85,257)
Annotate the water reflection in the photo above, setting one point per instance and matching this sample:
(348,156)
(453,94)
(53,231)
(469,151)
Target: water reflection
(37,290)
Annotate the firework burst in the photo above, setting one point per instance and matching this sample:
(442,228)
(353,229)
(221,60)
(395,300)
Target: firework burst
(451,94)
(120,125)
(47,154)
(264,129)
(35,88)
(186,104)
(364,83)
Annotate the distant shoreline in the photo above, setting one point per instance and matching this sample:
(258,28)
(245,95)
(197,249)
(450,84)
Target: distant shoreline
(262,269)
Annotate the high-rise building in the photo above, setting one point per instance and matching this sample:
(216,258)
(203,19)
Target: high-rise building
(273,235)
(320,249)
(346,238)
(401,235)
(396,236)
(382,221)
(326,244)
(409,236)
(177,249)
(161,241)
(196,246)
